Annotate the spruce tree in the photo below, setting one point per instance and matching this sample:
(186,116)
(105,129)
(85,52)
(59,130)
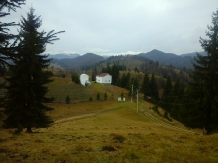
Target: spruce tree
(177,94)
(123,81)
(128,84)
(67,99)
(94,73)
(146,86)
(166,98)
(154,90)
(105,96)
(122,95)
(115,73)
(98,97)
(26,91)
(6,47)
(205,77)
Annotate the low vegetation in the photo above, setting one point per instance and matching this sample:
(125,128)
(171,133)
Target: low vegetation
(107,131)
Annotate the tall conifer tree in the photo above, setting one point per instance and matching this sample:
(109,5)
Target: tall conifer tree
(6,48)
(153,89)
(166,99)
(25,97)
(146,86)
(205,76)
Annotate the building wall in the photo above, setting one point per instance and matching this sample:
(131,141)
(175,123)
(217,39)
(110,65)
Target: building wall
(104,80)
(84,78)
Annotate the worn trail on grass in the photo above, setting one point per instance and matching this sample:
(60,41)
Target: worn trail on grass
(75,117)
(85,115)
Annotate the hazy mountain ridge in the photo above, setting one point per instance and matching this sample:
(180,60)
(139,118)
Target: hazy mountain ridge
(159,56)
(78,61)
(63,55)
(193,54)
(180,61)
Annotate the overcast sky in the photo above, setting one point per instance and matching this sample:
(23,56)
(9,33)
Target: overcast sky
(112,27)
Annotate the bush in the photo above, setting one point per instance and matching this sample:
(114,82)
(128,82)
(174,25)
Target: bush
(49,73)
(98,96)
(67,99)
(105,96)
(155,108)
(75,78)
(166,115)
(118,138)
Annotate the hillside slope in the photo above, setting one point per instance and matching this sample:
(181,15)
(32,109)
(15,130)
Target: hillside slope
(117,133)
(61,87)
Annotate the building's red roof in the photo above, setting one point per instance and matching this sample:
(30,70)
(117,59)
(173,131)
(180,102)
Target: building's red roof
(102,74)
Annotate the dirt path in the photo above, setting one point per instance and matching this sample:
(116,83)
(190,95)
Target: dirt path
(75,117)
(84,116)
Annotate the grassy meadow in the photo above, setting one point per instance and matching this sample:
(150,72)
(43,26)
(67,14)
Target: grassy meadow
(106,131)
(61,87)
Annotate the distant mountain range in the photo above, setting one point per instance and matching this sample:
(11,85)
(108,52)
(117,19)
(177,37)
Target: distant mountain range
(77,61)
(63,55)
(180,61)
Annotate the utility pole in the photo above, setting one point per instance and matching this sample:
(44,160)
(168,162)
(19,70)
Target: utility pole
(137,100)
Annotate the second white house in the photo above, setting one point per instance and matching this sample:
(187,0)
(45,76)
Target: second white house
(104,78)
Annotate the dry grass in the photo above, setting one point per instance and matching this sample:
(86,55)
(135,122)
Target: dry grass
(117,133)
(61,87)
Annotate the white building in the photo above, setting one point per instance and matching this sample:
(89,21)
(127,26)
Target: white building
(84,80)
(120,99)
(104,78)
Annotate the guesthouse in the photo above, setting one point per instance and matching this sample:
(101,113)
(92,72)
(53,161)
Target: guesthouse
(104,78)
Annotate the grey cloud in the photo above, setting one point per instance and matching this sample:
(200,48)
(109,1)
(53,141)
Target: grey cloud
(117,26)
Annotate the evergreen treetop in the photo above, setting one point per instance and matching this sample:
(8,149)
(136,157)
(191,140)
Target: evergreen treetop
(6,48)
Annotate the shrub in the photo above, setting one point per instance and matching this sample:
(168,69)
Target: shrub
(155,108)
(75,78)
(166,115)
(118,138)
(98,96)
(67,99)
(105,96)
